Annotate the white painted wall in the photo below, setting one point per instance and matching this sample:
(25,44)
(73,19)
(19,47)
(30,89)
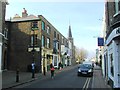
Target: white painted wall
(115,58)
(114,48)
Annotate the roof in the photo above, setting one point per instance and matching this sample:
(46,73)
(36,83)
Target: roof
(28,18)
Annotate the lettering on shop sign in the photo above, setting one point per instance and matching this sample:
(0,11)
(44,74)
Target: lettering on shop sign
(118,31)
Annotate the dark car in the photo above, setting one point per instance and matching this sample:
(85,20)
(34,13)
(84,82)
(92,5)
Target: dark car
(85,69)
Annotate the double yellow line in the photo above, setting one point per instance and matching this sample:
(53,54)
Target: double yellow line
(87,82)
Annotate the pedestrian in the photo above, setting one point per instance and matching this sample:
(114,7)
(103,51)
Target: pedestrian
(52,71)
(33,69)
(51,65)
(59,66)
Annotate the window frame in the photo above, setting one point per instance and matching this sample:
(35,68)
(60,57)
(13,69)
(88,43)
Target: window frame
(48,42)
(43,41)
(48,29)
(43,25)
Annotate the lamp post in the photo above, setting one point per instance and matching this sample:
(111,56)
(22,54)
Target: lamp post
(44,72)
(55,52)
(33,27)
(33,61)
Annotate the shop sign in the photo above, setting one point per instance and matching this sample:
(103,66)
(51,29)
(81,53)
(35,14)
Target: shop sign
(100,41)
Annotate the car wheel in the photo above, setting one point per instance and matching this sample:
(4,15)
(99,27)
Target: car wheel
(91,74)
(78,74)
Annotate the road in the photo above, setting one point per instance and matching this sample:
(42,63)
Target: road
(64,79)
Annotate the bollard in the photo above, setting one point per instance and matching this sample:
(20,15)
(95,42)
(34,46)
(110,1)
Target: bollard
(17,75)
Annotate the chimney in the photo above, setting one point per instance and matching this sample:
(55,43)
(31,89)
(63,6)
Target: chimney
(24,13)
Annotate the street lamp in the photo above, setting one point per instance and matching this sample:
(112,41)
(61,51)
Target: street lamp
(33,27)
(55,52)
(44,72)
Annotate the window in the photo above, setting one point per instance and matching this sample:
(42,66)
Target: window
(111,65)
(48,42)
(43,41)
(58,46)
(58,36)
(34,25)
(62,40)
(6,33)
(33,40)
(48,30)
(43,25)
(117,6)
(54,34)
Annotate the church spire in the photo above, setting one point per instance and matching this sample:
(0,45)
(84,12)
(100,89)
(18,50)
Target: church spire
(69,33)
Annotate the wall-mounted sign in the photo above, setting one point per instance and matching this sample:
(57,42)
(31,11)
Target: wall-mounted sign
(100,41)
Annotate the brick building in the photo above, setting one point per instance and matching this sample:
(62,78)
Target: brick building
(41,44)
(21,52)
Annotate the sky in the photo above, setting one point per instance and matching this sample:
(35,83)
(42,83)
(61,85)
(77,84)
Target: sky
(84,16)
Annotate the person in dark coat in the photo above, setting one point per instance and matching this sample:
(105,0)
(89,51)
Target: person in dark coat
(51,65)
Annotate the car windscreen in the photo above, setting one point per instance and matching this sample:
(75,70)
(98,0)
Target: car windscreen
(85,66)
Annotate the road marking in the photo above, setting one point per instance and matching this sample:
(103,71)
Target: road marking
(87,82)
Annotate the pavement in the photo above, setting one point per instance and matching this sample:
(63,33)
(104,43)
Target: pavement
(9,78)
(98,80)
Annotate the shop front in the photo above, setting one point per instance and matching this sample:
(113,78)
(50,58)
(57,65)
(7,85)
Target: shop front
(113,44)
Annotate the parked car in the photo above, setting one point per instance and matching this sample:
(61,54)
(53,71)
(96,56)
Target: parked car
(85,69)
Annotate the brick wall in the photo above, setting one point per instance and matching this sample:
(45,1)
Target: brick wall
(19,42)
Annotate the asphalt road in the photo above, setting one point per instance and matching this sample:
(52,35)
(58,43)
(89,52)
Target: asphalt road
(65,79)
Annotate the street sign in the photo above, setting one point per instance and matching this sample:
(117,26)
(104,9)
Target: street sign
(100,41)
(30,49)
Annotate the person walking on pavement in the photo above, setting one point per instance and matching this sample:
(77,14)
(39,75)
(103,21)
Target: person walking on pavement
(52,71)
(59,66)
(33,69)
(51,65)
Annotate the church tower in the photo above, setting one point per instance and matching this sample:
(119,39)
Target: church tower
(70,34)
(71,45)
